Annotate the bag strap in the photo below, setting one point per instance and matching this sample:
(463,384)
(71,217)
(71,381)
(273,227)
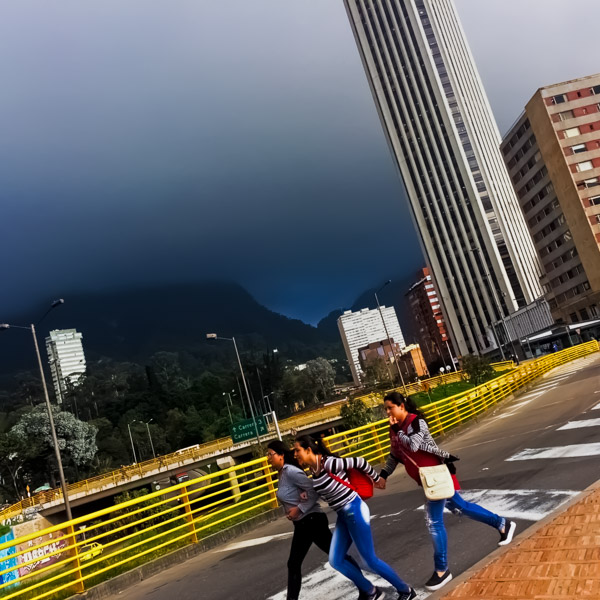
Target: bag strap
(336,478)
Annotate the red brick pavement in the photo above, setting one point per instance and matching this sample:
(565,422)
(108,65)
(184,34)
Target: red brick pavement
(559,557)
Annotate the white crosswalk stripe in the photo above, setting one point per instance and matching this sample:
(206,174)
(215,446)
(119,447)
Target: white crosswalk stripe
(572,451)
(582,423)
(528,505)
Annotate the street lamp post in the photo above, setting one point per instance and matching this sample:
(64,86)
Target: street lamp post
(388,335)
(147,424)
(61,473)
(214,336)
(228,404)
(131,439)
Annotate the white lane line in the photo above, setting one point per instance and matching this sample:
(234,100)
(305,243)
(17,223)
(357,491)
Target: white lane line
(326,582)
(572,451)
(583,423)
(528,505)
(255,542)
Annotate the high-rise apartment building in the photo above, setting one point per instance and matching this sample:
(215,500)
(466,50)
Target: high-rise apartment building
(445,142)
(364,327)
(553,156)
(427,317)
(66,358)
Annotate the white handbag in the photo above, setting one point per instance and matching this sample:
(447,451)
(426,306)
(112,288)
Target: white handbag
(436,480)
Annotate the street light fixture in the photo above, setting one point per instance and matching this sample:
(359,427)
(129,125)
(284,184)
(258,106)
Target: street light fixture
(387,334)
(61,473)
(214,336)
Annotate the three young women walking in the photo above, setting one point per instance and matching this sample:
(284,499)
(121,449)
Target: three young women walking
(353,516)
(411,439)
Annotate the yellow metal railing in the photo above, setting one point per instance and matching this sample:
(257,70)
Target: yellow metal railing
(65,559)
(183,457)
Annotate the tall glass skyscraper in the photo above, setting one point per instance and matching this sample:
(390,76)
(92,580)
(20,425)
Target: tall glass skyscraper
(445,142)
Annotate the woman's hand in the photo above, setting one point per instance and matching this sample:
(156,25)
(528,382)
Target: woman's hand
(303,496)
(380,485)
(393,420)
(294,513)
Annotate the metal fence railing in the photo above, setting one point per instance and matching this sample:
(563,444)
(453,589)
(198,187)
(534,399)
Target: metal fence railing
(71,557)
(181,458)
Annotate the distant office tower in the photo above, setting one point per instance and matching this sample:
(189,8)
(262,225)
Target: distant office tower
(553,156)
(427,317)
(359,329)
(66,358)
(445,142)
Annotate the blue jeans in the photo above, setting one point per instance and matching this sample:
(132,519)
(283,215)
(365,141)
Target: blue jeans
(435,523)
(353,526)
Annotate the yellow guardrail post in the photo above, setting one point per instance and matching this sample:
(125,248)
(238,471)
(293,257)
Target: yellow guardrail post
(271,485)
(189,517)
(74,552)
(378,445)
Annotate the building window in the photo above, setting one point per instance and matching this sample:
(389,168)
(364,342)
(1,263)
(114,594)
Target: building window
(559,99)
(595,89)
(586,165)
(594,201)
(572,132)
(578,148)
(573,317)
(567,114)
(591,182)
(597,218)
(594,310)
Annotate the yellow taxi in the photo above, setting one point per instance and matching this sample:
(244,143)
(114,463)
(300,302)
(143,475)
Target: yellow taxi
(88,551)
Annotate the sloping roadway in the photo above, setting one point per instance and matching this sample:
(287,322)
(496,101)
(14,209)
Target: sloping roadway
(523,460)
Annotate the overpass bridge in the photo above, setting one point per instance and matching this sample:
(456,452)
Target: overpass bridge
(50,502)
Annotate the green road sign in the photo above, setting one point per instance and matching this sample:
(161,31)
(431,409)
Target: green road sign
(245,430)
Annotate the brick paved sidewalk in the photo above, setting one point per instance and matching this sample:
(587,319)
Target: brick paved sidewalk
(559,557)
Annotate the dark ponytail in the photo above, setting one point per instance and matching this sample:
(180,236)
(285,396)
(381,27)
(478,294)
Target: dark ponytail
(316,445)
(280,448)
(409,404)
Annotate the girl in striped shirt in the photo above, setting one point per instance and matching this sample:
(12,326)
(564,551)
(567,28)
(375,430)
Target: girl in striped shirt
(353,516)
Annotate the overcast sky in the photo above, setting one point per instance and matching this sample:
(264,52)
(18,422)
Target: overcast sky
(145,141)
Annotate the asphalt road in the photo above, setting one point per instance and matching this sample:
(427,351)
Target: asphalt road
(523,460)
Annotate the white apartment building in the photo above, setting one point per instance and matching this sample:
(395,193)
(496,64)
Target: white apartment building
(359,329)
(445,143)
(66,358)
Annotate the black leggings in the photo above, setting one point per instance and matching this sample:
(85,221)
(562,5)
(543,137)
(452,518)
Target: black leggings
(312,529)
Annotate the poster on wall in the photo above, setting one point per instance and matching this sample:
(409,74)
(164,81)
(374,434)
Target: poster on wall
(38,549)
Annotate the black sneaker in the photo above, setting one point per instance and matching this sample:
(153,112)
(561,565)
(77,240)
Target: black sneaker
(407,595)
(436,581)
(507,536)
(376,595)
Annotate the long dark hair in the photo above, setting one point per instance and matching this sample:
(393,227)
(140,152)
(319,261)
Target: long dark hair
(398,399)
(317,445)
(288,455)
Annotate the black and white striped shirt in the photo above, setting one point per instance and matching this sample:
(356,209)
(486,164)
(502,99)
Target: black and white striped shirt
(333,492)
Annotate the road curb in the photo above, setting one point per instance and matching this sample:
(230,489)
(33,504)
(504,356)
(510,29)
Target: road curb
(519,539)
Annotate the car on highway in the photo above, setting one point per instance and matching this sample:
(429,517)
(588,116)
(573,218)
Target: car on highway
(88,551)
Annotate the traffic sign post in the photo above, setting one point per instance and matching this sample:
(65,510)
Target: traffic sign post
(247,429)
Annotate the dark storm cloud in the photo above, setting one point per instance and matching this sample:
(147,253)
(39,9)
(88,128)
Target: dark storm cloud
(180,141)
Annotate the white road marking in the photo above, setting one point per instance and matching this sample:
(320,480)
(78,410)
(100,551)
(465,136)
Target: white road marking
(572,451)
(255,542)
(528,505)
(326,582)
(583,423)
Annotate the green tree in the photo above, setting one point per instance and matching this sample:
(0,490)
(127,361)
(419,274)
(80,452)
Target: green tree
(76,439)
(319,376)
(477,368)
(355,413)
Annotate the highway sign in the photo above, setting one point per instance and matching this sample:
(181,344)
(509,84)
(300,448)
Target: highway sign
(245,430)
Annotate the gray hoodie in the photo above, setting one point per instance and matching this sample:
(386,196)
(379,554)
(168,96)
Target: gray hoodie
(292,482)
